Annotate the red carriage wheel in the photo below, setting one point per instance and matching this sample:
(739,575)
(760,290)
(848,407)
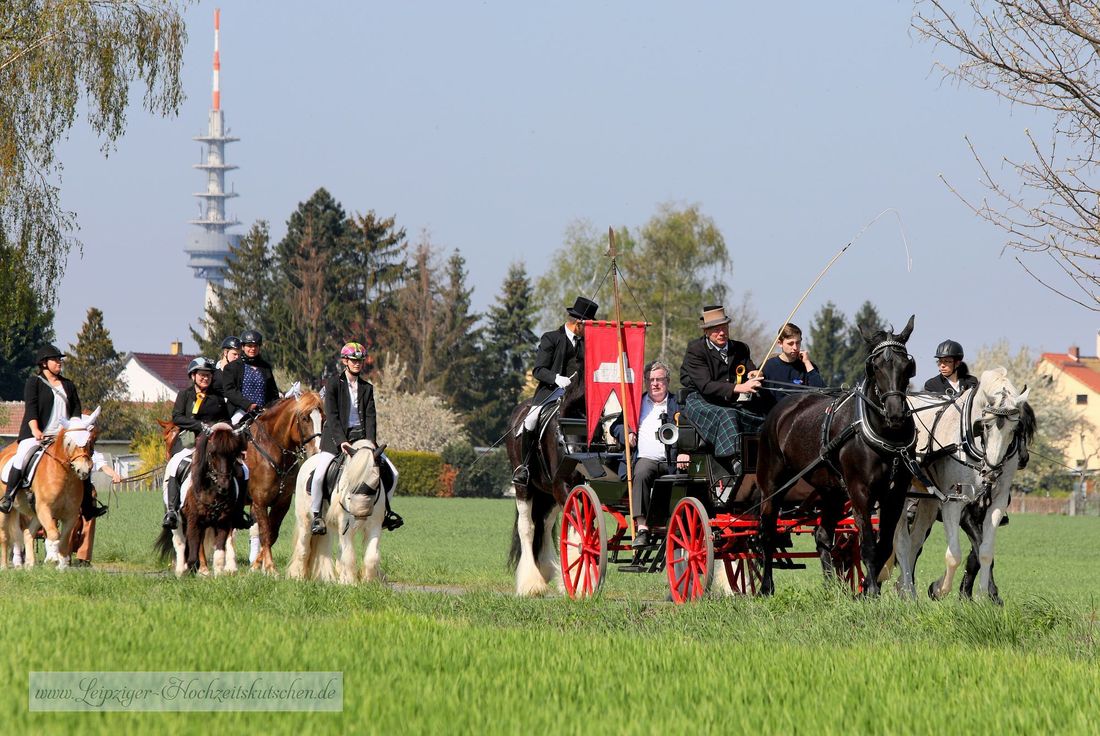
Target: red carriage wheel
(583,543)
(689,551)
(847,561)
(743,570)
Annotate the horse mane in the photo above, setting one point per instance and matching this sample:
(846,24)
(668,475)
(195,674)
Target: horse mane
(1028,423)
(286,408)
(221,441)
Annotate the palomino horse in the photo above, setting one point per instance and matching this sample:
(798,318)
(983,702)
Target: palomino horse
(845,448)
(358,503)
(278,438)
(539,504)
(211,501)
(58,487)
(971,448)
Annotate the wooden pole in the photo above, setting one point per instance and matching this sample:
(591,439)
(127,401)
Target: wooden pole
(622,379)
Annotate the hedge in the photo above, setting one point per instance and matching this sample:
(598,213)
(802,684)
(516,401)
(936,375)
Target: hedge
(420,472)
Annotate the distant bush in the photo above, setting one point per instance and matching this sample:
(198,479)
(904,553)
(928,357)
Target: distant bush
(478,475)
(420,472)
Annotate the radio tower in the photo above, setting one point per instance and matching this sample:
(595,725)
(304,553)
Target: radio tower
(211,245)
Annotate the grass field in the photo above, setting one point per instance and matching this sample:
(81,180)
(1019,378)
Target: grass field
(809,660)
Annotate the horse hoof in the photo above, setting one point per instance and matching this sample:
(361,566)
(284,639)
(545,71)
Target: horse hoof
(932,591)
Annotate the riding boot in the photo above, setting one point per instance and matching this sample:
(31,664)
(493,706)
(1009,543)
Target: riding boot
(90,507)
(171,517)
(15,478)
(522,475)
(243,519)
(318,527)
(392,519)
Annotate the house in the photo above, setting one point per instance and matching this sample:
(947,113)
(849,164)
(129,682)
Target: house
(1077,377)
(156,376)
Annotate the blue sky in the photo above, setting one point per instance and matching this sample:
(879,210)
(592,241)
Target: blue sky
(493,125)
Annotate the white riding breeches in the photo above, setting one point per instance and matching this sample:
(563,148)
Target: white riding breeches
(21,453)
(317,483)
(532,419)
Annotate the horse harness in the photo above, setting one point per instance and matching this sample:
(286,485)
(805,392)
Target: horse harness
(280,472)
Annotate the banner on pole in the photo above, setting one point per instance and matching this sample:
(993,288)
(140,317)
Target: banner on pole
(601,365)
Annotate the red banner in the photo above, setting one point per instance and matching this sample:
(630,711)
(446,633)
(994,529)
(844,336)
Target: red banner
(601,364)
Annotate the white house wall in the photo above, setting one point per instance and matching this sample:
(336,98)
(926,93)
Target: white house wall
(142,385)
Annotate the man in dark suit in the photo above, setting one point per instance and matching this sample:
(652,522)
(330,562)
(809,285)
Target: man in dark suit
(650,456)
(558,362)
(722,382)
(350,416)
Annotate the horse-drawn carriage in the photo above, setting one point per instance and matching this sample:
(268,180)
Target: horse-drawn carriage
(704,515)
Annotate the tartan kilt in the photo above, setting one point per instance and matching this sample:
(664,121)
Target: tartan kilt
(721,426)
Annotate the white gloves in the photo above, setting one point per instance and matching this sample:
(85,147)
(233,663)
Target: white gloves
(562,381)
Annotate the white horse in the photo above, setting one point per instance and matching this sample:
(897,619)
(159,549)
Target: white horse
(970,448)
(358,503)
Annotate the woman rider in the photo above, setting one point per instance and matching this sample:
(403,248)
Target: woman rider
(349,417)
(196,409)
(231,350)
(48,397)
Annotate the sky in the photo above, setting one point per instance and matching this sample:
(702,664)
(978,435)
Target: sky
(492,126)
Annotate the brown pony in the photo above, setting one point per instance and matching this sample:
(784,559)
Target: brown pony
(170,433)
(210,503)
(58,487)
(279,439)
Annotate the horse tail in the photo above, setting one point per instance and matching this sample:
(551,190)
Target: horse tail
(163,546)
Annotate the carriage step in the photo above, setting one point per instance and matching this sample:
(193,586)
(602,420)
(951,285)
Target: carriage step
(634,568)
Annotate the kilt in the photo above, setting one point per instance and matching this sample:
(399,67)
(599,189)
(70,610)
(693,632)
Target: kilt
(721,426)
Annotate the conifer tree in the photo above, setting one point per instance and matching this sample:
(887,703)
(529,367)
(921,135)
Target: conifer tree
(828,347)
(96,367)
(869,319)
(458,341)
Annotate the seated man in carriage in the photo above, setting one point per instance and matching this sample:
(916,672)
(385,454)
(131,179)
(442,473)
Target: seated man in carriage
(349,417)
(722,384)
(650,456)
(558,362)
(197,408)
(791,370)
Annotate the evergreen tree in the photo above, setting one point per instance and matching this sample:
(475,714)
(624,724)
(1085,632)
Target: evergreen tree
(25,322)
(245,300)
(506,356)
(412,329)
(96,367)
(376,268)
(457,341)
(828,348)
(871,321)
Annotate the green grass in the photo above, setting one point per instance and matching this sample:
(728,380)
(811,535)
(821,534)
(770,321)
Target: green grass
(810,659)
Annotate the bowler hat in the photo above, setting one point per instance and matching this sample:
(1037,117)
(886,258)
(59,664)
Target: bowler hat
(583,309)
(713,316)
(46,352)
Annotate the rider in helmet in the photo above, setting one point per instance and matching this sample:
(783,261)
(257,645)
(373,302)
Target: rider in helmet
(954,377)
(231,350)
(197,408)
(349,417)
(48,397)
(249,383)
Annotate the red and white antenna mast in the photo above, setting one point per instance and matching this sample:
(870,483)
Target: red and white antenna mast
(217,60)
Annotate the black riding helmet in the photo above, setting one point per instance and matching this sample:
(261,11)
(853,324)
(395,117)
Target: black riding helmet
(252,336)
(46,352)
(949,349)
(231,343)
(200,364)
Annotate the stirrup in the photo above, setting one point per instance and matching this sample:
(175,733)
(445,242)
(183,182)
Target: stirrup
(392,521)
(521,476)
(171,520)
(6,503)
(318,527)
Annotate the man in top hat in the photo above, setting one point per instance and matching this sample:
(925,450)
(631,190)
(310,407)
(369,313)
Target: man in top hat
(722,383)
(558,362)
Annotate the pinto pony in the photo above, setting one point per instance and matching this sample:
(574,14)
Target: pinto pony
(358,504)
(534,553)
(210,503)
(278,439)
(972,446)
(847,449)
(58,487)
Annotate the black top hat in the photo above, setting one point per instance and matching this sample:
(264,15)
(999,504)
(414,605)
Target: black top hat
(583,309)
(46,352)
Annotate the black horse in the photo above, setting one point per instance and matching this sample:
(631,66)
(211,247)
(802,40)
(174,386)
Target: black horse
(847,448)
(534,555)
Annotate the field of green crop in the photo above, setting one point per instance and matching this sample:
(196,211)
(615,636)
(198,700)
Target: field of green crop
(420,660)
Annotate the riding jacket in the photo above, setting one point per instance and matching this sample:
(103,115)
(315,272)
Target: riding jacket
(557,356)
(703,370)
(38,398)
(338,410)
(940,385)
(211,411)
(234,376)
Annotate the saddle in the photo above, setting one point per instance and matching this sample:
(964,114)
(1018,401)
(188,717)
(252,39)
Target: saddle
(332,474)
(28,469)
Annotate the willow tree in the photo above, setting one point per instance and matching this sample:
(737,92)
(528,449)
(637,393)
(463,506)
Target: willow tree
(56,56)
(1042,54)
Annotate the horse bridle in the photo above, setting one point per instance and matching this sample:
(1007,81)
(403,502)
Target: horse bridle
(883,395)
(281,473)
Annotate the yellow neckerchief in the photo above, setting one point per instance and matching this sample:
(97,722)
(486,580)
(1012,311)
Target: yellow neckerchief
(199,396)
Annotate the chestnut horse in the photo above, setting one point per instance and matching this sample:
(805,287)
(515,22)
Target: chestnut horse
(210,502)
(279,439)
(58,487)
(847,448)
(534,553)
